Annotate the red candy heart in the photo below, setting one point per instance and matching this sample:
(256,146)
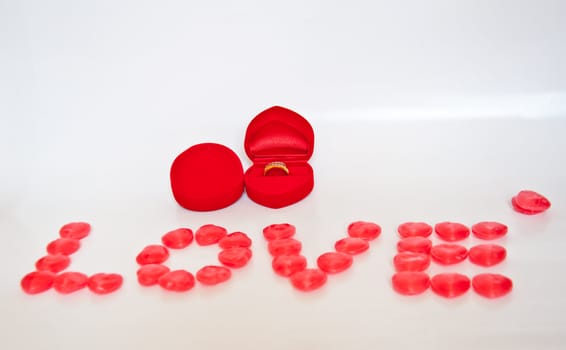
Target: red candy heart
(530,202)
(491,285)
(64,246)
(451,231)
(235,257)
(450,285)
(75,230)
(308,279)
(152,254)
(211,275)
(148,275)
(287,265)
(364,230)
(412,229)
(448,254)
(414,245)
(178,239)
(487,254)
(286,246)
(489,230)
(69,282)
(53,263)
(519,209)
(334,262)
(210,234)
(279,231)
(408,261)
(177,281)
(37,282)
(234,240)
(410,282)
(104,283)
(351,245)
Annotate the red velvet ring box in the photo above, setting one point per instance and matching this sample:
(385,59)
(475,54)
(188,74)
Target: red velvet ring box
(207,176)
(279,135)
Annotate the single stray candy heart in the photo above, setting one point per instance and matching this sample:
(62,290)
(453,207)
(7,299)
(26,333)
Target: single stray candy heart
(308,279)
(37,282)
(530,202)
(104,283)
(450,285)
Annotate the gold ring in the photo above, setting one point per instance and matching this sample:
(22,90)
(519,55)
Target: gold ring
(275,165)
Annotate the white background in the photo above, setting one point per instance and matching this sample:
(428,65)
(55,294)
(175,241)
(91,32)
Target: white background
(422,110)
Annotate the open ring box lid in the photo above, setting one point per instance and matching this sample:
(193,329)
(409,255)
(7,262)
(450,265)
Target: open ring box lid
(279,135)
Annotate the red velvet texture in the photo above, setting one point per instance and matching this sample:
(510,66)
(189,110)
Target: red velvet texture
(279,134)
(207,176)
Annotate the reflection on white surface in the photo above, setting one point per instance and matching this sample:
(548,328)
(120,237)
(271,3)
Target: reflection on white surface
(387,172)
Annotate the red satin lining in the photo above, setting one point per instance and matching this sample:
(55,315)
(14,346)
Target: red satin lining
(278,140)
(279,134)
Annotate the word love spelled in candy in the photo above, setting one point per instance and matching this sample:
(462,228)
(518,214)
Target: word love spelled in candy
(416,252)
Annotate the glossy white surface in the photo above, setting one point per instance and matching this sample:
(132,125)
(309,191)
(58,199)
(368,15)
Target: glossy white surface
(423,112)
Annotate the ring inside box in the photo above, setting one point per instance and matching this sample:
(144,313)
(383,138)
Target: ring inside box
(279,135)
